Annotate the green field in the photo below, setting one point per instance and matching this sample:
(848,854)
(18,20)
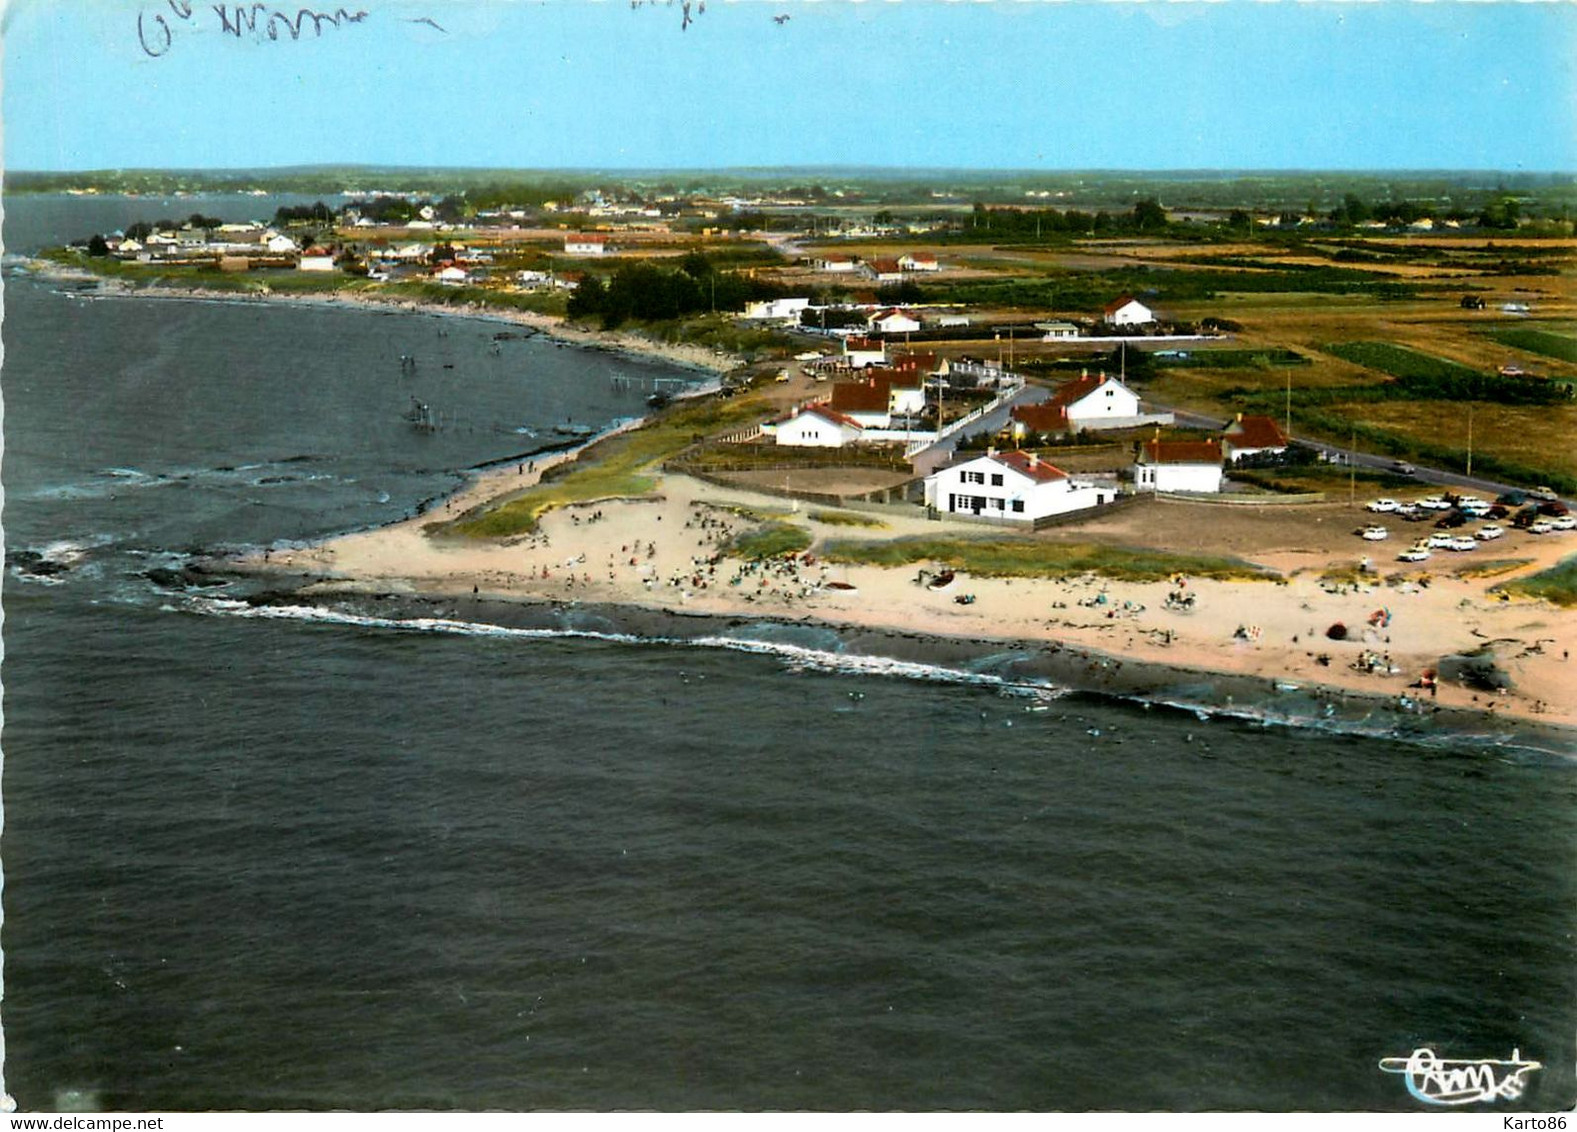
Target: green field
(771,541)
(1402,363)
(1551,345)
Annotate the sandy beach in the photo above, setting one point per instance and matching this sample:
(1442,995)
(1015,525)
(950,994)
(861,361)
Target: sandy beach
(663,552)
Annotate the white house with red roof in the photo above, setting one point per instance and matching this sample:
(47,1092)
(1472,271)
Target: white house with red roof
(1127,311)
(861,352)
(452,275)
(1092,402)
(834,263)
(919,261)
(1250,435)
(892,321)
(884,270)
(579,244)
(815,426)
(1011,487)
(1178,465)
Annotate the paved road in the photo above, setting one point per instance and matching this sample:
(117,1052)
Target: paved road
(1339,455)
(941,453)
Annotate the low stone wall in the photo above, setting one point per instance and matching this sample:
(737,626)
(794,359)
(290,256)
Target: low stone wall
(1230,500)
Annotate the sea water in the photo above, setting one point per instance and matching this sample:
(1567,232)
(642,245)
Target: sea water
(295,857)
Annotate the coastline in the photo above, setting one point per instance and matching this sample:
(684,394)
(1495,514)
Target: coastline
(570,567)
(553,327)
(578,570)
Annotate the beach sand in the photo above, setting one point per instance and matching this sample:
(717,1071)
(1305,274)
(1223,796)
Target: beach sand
(658,553)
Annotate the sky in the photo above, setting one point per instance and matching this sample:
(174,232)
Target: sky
(604,84)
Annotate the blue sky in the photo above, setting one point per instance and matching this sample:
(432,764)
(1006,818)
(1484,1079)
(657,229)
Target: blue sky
(1023,84)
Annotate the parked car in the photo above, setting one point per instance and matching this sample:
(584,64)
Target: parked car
(1452,521)
(1462,542)
(1403,468)
(1435,503)
(1412,512)
(1512,498)
(1440,541)
(1374,533)
(1553,507)
(1542,527)
(1383,505)
(1414,554)
(1565,523)
(1542,492)
(1497,512)
(1490,531)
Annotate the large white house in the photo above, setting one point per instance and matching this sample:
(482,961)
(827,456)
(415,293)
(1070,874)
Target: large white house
(316,259)
(861,352)
(1011,487)
(874,399)
(815,426)
(1178,465)
(1128,311)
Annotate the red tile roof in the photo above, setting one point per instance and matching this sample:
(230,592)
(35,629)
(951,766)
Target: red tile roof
(1078,389)
(922,257)
(1042,418)
(858,397)
(863,344)
(1031,465)
(916,362)
(1255,432)
(825,413)
(1119,303)
(1180,452)
(883,266)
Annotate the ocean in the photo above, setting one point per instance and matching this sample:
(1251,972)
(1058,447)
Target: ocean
(287,857)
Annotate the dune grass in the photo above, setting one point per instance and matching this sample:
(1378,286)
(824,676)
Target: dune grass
(1558,584)
(1031,558)
(845,519)
(770,541)
(619,466)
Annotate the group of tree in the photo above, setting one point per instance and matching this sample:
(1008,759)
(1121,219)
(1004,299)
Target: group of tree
(646,292)
(1147,215)
(316,213)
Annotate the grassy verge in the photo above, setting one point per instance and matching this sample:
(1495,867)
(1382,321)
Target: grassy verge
(1493,568)
(1034,559)
(771,541)
(1558,584)
(619,466)
(845,519)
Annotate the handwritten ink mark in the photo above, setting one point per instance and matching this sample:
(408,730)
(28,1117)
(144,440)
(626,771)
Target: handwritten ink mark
(430,22)
(781,20)
(234,18)
(1442,1081)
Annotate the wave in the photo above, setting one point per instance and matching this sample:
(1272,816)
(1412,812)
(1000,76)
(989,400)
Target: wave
(1396,720)
(796,657)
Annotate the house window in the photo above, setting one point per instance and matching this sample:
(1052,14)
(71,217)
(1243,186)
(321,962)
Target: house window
(1018,505)
(996,504)
(996,479)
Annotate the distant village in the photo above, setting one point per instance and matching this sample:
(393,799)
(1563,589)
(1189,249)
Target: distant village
(983,442)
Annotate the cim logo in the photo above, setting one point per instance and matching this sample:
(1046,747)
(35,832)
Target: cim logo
(1442,1081)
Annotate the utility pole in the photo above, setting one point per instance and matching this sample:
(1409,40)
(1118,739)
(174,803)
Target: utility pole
(1470,438)
(1289,406)
(1352,469)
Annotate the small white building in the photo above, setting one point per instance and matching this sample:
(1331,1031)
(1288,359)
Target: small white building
(1056,330)
(777,310)
(316,259)
(919,261)
(837,264)
(892,321)
(280,244)
(861,352)
(884,270)
(1178,465)
(815,426)
(585,245)
(1251,435)
(1127,311)
(1011,487)
(452,275)
(949,321)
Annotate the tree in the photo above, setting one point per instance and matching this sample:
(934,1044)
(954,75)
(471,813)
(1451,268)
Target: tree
(1148,215)
(97,246)
(1239,220)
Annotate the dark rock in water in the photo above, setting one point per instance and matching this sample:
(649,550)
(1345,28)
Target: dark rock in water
(1476,670)
(23,559)
(48,568)
(187,577)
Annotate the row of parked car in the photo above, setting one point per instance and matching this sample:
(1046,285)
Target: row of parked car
(1456,511)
